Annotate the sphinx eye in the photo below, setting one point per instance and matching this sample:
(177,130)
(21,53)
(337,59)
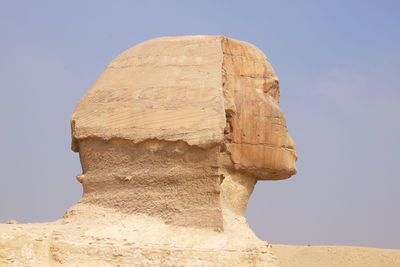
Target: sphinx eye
(271,88)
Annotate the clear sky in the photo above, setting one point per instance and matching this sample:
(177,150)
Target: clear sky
(339,67)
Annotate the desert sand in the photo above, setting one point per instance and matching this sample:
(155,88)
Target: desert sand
(335,256)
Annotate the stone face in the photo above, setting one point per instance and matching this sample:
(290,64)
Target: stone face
(172,139)
(258,138)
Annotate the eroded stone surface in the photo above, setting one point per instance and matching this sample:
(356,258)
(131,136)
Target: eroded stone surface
(167,89)
(170,180)
(172,139)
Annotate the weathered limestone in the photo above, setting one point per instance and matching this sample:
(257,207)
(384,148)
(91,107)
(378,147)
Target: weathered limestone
(172,139)
(166,89)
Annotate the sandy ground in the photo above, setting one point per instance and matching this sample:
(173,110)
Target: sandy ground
(335,256)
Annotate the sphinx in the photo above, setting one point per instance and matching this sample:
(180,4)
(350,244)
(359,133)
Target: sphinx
(172,139)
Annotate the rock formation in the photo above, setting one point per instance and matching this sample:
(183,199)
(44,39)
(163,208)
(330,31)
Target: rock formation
(172,139)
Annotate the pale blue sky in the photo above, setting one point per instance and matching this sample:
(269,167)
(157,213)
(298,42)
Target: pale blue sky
(339,67)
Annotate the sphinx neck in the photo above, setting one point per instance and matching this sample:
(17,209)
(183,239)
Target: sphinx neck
(170,180)
(182,185)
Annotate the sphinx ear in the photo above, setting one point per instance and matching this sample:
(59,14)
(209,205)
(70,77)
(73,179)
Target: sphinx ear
(74,142)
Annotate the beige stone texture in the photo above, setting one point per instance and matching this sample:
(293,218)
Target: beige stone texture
(172,139)
(166,89)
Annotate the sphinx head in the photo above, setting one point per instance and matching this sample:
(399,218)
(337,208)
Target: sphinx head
(171,118)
